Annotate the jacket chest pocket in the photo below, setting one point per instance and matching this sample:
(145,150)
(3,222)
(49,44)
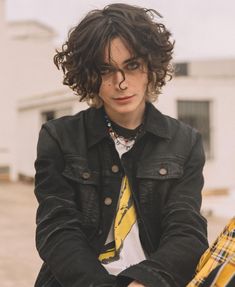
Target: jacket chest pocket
(86,185)
(155,179)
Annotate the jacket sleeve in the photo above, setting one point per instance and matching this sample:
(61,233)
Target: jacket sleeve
(60,241)
(184,230)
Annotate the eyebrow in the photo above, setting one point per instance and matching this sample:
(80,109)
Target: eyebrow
(125,62)
(131,59)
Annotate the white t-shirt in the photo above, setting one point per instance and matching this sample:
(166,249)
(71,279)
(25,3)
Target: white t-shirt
(132,251)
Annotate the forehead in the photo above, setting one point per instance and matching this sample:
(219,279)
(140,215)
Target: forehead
(117,51)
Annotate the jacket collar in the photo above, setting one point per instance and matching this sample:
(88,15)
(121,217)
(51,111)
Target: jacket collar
(155,123)
(96,127)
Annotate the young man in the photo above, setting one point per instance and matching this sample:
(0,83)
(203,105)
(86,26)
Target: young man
(119,184)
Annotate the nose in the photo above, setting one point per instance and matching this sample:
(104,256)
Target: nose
(120,80)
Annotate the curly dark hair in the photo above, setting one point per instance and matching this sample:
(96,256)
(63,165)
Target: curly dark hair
(82,54)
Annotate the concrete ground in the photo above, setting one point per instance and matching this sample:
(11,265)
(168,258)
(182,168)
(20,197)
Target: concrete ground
(19,261)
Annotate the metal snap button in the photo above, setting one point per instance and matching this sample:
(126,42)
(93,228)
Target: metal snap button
(162,171)
(86,175)
(115,168)
(108,201)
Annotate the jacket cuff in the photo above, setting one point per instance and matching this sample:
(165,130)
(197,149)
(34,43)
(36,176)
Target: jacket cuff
(146,274)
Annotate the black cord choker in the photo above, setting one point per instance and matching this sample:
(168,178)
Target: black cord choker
(127,143)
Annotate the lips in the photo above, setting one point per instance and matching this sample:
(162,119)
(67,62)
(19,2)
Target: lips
(126,98)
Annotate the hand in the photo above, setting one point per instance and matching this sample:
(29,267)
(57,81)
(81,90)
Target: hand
(135,284)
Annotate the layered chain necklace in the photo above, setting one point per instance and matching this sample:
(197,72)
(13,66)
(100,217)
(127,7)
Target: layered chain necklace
(125,143)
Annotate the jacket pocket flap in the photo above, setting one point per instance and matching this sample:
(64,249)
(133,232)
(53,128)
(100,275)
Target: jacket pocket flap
(160,170)
(76,169)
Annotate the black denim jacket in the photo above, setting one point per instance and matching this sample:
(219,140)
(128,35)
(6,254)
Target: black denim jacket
(78,168)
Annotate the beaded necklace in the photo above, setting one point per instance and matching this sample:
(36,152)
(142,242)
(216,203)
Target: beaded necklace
(126,143)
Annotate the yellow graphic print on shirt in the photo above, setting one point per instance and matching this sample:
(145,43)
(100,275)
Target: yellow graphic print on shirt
(124,220)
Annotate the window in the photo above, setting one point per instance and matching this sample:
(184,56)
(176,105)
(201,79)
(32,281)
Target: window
(4,173)
(50,115)
(181,69)
(197,115)
(4,169)
(47,116)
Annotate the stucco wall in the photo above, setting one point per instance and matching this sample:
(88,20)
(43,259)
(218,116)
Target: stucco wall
(7,114)
(26,57)
(30,120)
(219,169)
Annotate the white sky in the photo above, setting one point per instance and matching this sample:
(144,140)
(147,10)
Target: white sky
(201,28)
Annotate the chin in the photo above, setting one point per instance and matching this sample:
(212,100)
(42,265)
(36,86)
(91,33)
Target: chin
(125,110)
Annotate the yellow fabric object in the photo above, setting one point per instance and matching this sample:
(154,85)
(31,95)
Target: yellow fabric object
(225,274)
(124,220)
(222,249)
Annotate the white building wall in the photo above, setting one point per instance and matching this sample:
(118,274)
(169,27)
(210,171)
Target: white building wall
(2,17)
(33,69)
(33,75)
(7,113)
(26,56)
(219,169)
(30,120)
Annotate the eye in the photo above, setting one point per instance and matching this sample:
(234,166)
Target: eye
(106,70)
(134,65)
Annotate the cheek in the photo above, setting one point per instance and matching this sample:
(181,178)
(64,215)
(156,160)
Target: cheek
(142,77)
(105,86)
(104,90)
(142,82)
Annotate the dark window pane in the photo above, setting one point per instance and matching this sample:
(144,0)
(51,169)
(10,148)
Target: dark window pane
(181,69)
(197,115)
(47,116)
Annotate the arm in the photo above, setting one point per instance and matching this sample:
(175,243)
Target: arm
(183,230)
(60,240)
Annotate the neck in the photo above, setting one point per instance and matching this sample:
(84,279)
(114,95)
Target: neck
(128,120)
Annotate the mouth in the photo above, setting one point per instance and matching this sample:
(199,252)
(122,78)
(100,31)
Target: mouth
(123,98)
